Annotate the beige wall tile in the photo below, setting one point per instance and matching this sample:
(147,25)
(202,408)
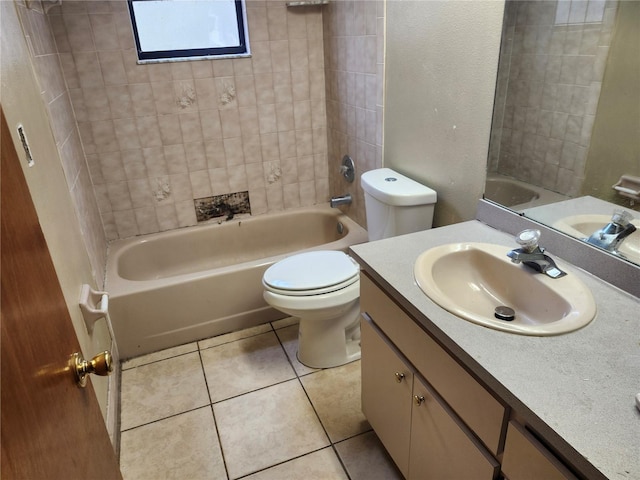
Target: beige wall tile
(175,158)
(112,68)
(79,32)
(196,156)
(215,153)
(219,181)
(88,69)
(104,29)
(148,130)
(233,151)
(267,108)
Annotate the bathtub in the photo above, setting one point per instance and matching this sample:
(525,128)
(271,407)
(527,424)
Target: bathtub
(167,289)
(517,195)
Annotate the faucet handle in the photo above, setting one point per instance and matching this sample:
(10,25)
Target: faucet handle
(621,217)
(528,239)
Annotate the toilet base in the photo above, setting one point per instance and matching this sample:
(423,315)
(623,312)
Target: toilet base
(330,342)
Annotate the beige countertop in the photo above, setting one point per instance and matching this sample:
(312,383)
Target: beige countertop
(577,390)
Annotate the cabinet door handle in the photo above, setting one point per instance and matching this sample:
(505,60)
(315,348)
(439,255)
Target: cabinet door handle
(399,377)
(418,400)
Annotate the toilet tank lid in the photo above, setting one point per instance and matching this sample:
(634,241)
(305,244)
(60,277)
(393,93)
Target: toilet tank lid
(395,189)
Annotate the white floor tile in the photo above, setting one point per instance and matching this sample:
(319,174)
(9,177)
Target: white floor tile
(267,427)
(266,423)
(162,389)
(335,394)
(320,465)
(177,448)
(366,459)
(233,336)
(161,355)
(245,365)
(289,338)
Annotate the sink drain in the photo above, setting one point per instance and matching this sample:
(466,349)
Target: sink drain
(504,313)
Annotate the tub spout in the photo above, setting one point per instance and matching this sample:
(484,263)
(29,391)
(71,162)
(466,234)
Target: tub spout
(341,200)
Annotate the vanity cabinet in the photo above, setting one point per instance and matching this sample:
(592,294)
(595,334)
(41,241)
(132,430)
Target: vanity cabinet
(477,408)
(419,431)
(433,417)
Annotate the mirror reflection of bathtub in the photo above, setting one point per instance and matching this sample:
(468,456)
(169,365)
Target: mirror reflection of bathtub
(518,195)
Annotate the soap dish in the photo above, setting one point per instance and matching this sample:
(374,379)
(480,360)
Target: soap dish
(628,186)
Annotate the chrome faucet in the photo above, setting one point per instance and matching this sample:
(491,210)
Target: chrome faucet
(533,255)
(613,233)
(341,200)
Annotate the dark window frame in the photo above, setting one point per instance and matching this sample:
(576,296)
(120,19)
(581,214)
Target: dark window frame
(241,49)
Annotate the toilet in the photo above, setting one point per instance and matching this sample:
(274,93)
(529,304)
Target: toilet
(322,288)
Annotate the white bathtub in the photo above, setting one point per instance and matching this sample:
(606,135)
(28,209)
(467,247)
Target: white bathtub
(518,195)
(175,287)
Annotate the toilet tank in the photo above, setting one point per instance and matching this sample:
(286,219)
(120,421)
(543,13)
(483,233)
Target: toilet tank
(395,204)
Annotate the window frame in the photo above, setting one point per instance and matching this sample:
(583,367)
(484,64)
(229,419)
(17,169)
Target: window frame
(241,50)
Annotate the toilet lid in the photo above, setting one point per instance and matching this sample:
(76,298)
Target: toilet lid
(311,271)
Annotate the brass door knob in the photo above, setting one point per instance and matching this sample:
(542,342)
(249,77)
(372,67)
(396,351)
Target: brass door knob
(101,364)
(399,377)
(418,400)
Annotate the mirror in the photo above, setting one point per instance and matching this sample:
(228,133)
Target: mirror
(566,123)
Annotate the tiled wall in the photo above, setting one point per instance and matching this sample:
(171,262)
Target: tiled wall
(551,68)
(354,61)
(55,95)
(157,136)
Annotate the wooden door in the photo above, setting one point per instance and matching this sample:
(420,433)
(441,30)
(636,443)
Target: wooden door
(51,428)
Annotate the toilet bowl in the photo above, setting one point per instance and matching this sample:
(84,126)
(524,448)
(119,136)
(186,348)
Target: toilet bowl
(322,289)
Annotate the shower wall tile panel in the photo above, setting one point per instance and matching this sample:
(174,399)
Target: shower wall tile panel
(157,136)
(58,96)
(354,77)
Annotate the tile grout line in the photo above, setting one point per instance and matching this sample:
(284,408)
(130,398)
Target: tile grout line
(211,403)
(331,443)
(213,414)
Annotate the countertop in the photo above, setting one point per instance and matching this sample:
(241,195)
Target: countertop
(577,390)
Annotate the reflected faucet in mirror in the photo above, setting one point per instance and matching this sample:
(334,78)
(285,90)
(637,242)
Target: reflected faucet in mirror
(611,236)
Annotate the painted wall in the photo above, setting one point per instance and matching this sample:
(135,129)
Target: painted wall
(441,63)
(52,181)
(615,148)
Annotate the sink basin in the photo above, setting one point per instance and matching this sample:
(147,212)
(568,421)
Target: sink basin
(471,279)
(582,226)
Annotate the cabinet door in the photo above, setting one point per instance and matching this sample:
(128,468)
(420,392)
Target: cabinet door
(525,458)
(386,394)
(441,448)
(471,401)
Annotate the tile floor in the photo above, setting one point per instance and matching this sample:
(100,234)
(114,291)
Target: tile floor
(241,406)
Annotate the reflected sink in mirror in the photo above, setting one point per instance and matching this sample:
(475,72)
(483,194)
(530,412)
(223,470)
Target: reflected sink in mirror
(471,280)
(582,226)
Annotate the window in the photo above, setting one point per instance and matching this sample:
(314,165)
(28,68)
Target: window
(183,29)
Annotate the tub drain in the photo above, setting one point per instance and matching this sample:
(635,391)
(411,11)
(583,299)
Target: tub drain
(504,313)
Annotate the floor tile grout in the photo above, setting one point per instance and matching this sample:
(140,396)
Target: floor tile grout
(297,376)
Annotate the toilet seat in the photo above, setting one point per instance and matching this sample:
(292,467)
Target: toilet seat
(311,273)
